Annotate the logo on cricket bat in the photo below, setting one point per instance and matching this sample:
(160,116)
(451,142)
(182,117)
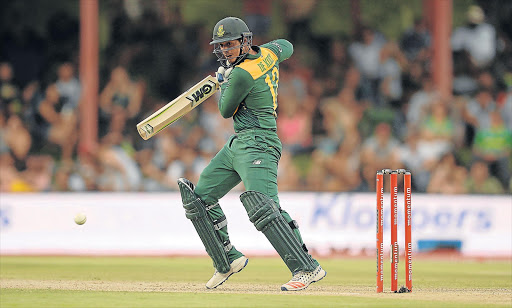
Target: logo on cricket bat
(178,107)
(199,94)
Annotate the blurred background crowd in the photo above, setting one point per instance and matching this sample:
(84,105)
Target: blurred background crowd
(351,101)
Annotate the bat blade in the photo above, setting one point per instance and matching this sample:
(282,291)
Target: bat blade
(177,108)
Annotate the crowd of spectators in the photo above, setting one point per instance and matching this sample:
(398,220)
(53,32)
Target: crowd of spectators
(348,106)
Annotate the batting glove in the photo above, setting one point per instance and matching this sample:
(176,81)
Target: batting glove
(222,74)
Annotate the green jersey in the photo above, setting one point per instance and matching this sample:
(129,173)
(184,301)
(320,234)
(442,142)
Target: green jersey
(250,93)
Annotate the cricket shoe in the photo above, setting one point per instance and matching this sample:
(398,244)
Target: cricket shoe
(218,278)
(302,280)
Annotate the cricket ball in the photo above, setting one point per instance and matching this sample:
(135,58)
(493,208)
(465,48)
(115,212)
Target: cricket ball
(80,218)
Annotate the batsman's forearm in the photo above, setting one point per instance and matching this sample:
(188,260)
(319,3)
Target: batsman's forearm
(234,91)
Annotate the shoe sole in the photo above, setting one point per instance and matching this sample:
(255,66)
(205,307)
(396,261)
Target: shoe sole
(285,289)
(246,261)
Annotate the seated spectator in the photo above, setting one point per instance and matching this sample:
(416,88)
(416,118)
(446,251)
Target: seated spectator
(120,100)
(381,150)
(68,86)
(438,129)
(493,145)
(258,17)
(477,38)
(154,178)
(392,64)
(294,127)
(61,178)
(318,177)
(413,78)
(505,108)
(352,82)
(416,40)
(288,175)
(17,139)
(87,172)
(9,92)
(55,124)
(365,55)
(123,173)
(344,165)
(341,115)
(481,182)
(447,177)
(419,103)
(217,130)
(418,160)
(475,112)
(39,172)
(10,179)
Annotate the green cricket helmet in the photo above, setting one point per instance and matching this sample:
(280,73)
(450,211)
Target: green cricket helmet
(229,29)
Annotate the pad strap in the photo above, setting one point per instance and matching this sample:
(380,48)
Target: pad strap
(227,246)
(211,206)
(293,224)
(195,210)
(267,218)
(220,223)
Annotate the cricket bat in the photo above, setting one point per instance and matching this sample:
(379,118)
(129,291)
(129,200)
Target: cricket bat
(177,108)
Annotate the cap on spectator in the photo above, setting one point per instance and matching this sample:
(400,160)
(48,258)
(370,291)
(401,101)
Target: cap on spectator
(475,14)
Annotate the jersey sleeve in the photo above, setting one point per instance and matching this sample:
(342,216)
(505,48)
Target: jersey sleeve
(282,48)
(234,91)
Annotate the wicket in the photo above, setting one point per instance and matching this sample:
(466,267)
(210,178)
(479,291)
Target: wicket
(394,251)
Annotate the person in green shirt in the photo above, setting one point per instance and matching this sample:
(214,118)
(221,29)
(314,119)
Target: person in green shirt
(249,79)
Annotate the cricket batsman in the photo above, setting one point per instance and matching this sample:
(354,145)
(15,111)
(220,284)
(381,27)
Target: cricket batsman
(249,78)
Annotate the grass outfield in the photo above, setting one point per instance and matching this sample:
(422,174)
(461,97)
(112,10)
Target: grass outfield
(179,282)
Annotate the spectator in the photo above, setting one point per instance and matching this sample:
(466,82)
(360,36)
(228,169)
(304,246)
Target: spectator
(216,129)
(120,101)
(480,182)
(477,38)
(415,41)
(258,17)
(392,64)
(418,160)
(68,86)
(381,150)
(297,16)
(437,130)
(448,177)
(419,104)
(506,109)
(366,55)
(17,139)
(493,145)
(86,173)
(9,92)
(294,126)
(345,163)
(61,178)
(288,174)
(55,124)
(412,81)
(123,174)
(39,172)
(475,113)
(154,178)
(10,179)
